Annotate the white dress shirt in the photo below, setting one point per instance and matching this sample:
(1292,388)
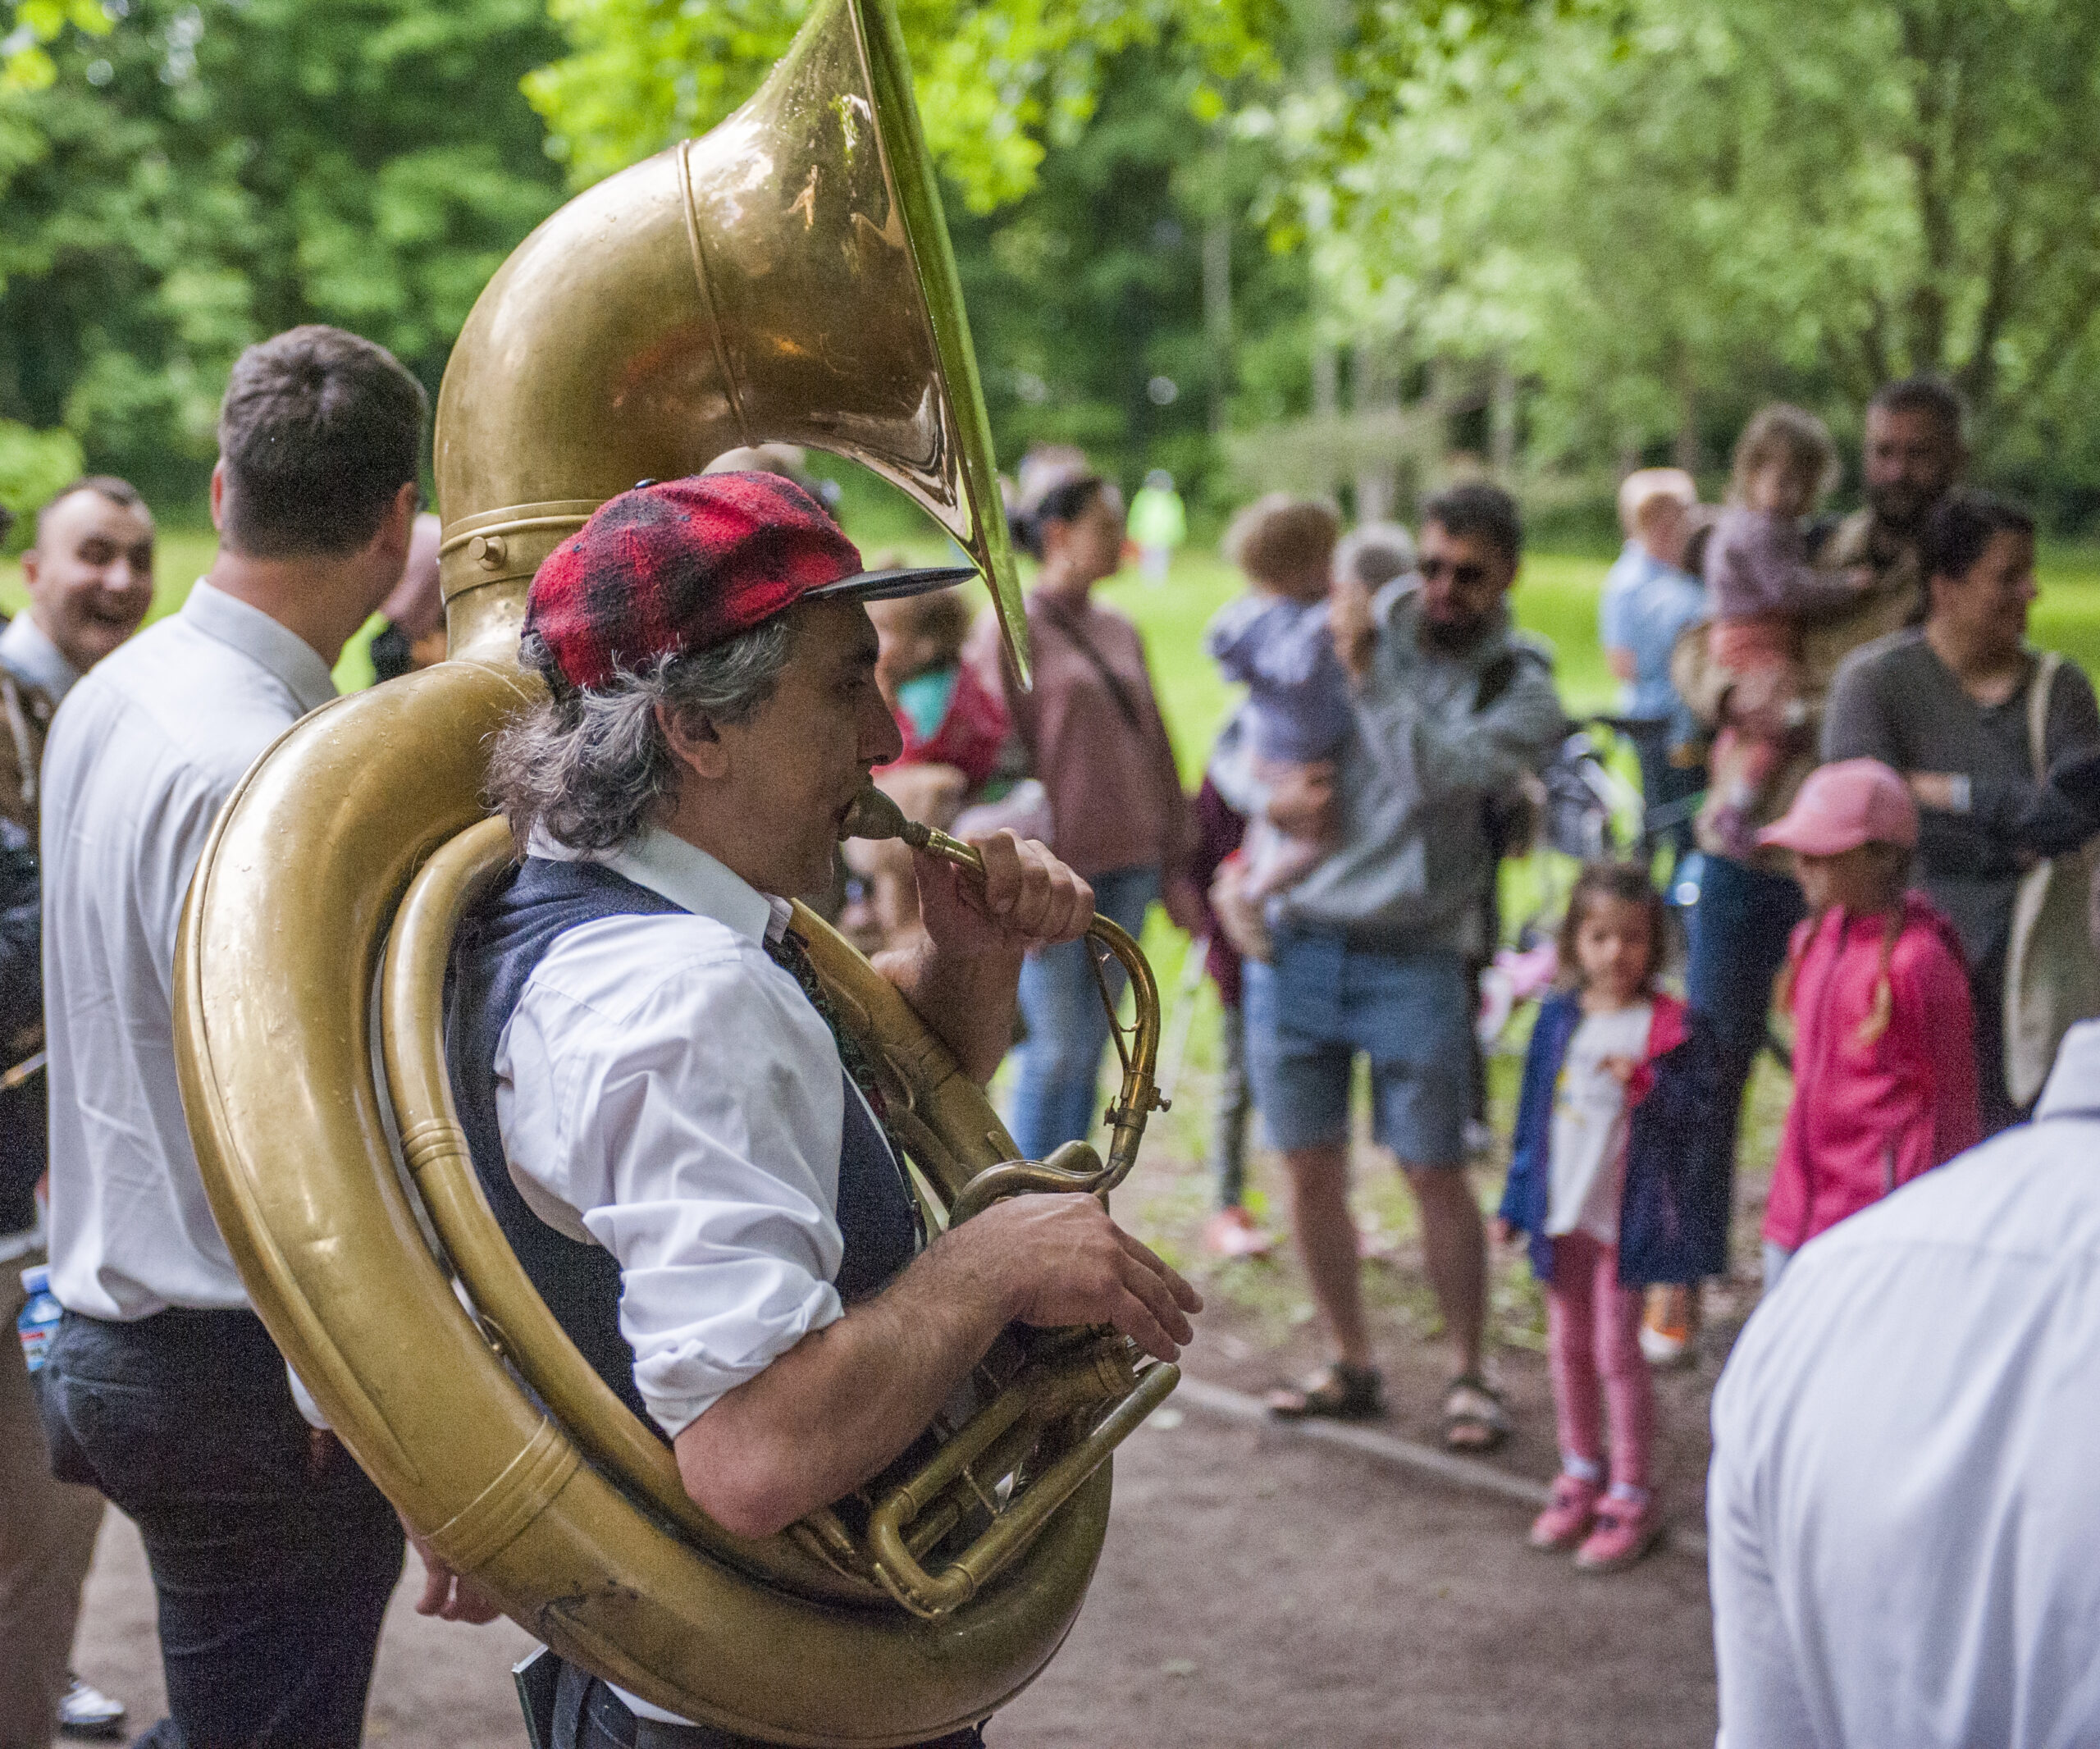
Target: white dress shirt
(1903,1506)
(142,755)
(26,648)
(664,1089)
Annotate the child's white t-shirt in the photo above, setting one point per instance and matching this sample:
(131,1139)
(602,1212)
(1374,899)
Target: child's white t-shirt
(1588,1146)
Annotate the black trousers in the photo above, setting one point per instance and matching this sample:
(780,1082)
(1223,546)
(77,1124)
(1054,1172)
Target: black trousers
(587,1714)
(272,1555)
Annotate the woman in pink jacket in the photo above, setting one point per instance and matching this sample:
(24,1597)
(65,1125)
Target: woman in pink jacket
(1885,1070)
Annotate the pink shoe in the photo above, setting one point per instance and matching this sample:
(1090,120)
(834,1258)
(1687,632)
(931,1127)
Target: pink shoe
(1625,1532)
(1566,1520)
(1231,1232)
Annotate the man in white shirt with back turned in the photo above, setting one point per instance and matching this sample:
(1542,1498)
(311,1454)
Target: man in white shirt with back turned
(1904,1522)
(272,1555)
(691,1165)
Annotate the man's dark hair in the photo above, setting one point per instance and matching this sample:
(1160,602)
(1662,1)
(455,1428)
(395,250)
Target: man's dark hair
(1961,526)
(320,429)
(1928,394)
(1477,510)
(102,485)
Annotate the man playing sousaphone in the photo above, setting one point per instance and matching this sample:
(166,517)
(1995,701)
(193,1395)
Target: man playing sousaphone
(690,1163)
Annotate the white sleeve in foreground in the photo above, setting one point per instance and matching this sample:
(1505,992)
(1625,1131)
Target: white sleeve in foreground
(690,1109)
(1763,1703)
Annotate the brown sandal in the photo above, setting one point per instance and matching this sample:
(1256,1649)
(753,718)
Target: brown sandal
(1475,1419)
(1338,1390)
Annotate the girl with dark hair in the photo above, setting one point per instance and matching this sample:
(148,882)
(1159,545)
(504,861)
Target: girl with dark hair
(1613,1126)
(1094,736)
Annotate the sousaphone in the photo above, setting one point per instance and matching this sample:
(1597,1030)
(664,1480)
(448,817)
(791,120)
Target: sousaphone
(786,278)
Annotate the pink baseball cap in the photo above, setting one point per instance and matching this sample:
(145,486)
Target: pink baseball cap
(1842,806)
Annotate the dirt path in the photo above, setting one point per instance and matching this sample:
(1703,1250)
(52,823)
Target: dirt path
(1256,1592)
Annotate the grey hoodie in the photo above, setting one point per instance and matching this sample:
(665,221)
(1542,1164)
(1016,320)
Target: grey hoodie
(1436,736)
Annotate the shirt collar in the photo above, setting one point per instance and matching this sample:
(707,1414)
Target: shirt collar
(26,648)
(263,641)
(685,874)
(2073,1089)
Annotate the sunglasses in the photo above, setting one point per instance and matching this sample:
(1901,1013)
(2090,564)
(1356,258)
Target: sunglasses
(1463,576)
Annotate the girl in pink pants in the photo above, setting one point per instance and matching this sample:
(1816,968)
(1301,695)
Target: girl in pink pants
(1613,1133)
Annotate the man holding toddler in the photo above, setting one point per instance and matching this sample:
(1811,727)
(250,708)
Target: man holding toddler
(1368,948)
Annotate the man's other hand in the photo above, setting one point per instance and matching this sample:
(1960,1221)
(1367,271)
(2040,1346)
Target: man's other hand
(451,1596)
(1027,898)
(1058,1259)
(1302,798)
(1184,900)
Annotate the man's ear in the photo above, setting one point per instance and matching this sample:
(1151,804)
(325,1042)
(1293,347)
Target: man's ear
(694,743)
(398,526)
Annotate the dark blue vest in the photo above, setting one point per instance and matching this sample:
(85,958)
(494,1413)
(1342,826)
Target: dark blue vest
(497,947)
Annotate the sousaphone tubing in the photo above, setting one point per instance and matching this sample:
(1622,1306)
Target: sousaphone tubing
(786,278)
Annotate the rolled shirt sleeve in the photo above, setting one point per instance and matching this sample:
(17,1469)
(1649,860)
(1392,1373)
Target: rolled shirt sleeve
(665,1091)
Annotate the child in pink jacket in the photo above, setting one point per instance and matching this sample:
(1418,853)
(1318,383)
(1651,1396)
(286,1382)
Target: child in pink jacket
(1884,1067)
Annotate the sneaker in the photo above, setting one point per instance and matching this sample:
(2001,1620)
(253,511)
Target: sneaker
(1669,1335)
(89,1712)
(1566,1519)
(1625,1531)
(1231,1232)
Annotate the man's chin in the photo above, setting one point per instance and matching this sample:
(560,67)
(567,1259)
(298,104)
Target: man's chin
(1454,635)
(1901,514)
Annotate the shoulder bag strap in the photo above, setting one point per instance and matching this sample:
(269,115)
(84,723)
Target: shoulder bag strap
(2040,691)
(1125,705)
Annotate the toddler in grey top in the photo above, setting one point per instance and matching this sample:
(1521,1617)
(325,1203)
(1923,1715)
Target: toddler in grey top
(1275,640)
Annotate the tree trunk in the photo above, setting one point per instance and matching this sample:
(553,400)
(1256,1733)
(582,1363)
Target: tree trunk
(1684,447)
(1377,472)
(1217,313)
(1502,417)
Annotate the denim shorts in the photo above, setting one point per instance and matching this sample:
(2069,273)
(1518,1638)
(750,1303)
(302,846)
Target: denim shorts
(1318,1002)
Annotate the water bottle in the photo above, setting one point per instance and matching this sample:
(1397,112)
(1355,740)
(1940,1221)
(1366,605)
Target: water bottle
(39,1320)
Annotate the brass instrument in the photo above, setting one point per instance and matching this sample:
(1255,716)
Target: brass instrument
(787,277)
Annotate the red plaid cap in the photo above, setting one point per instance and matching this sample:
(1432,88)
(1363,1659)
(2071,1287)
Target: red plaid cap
(676,566)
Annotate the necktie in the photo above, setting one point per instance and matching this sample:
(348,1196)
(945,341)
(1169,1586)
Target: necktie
(791,954)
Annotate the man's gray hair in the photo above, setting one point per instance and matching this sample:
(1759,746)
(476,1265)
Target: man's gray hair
(588,766)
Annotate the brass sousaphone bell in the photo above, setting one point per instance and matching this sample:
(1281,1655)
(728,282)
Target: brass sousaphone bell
(786,278)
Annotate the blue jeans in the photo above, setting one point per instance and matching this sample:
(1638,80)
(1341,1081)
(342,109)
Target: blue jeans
(1739,930)
(1060,1061)
(272,1555)
(587,1714)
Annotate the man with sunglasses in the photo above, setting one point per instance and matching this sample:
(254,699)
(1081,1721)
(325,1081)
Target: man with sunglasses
(1451,710)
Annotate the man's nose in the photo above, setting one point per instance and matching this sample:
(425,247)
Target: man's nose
(881,740)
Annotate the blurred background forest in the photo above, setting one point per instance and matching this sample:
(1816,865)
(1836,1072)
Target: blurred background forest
(1334,244)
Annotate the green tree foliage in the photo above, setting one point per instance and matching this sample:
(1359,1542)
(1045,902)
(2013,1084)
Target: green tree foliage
(1086,296)
(998,81)
(1664,210)
(180,178)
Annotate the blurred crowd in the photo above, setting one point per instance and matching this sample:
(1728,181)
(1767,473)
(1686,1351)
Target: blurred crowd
(1867,811)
